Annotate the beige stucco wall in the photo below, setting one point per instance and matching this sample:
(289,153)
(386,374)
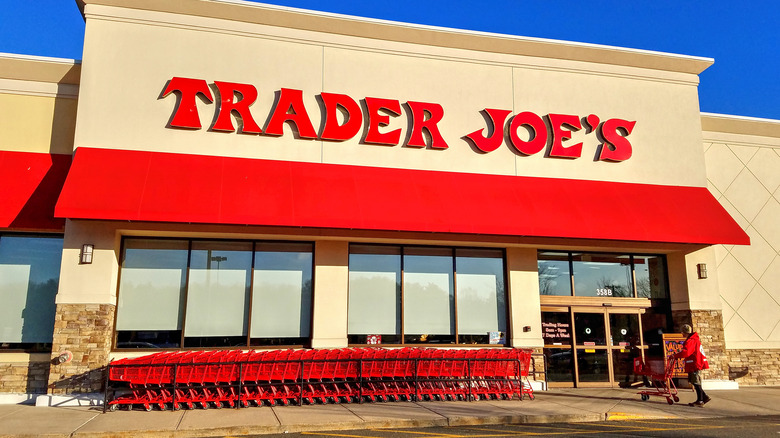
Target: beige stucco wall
(130,54)
(38,98)
(743,173)
(524,301)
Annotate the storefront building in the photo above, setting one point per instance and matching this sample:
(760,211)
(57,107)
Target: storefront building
(231,175)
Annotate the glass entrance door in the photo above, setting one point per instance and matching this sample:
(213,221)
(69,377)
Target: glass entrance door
(591,347)
(626,345)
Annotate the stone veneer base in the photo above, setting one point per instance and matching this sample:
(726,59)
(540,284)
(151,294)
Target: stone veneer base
(86,331)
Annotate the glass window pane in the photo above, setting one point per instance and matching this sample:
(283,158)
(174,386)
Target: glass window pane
(602,275)
(624,329)
(374,283)
(554,276)
(556,328)
(590,329)
(623,366)
(151,293)
(655,322)
(218,294)
(560,366)
(29,278)
(592,365)
(481,296)
(650,274)
(281,293)
(429,305)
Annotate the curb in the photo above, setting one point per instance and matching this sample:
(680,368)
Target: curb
(377,424)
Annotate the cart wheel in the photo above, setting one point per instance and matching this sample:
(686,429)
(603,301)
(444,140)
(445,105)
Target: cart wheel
(113,407)
(176,406)
(218,404)
(530,396)
(148,408)
(162,406)
(645,397)
(676,399)
(669,400)
(204,405)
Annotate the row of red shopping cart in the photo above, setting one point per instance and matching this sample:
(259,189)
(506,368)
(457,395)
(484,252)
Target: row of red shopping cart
(204,379)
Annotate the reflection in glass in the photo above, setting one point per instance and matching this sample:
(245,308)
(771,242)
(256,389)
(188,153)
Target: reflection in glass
(623,366)
(218,294)
(429,300)
(602,275)
(650,274)
(560,364)
(592,365)
(624,329)
(281,294)
(655,322)
(554,276)
(480,292)
(151,291)
(29,278)
(590,328)
(374,294)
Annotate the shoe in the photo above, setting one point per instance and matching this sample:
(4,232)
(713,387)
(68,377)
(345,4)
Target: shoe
(697,404)
(706,400)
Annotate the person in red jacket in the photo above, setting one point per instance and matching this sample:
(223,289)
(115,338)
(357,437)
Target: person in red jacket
(695,361)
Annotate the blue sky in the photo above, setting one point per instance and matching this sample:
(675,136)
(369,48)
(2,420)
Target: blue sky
(742,37)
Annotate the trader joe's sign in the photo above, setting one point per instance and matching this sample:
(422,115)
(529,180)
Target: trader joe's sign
(372,115)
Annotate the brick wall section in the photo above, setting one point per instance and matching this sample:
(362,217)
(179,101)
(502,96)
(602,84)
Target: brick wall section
(30,378)
(754,367)
(709,325)
(85,330)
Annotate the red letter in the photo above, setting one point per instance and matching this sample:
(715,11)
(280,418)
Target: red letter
(489,144)
(352,122)
(559,134)
(227,92)
(375,120)
(609,130)
(436,113)
(290,99)
(535,143)
(186,113)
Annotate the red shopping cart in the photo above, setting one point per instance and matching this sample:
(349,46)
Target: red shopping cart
(659,373)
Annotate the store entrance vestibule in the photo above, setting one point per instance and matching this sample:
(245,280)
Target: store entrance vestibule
(592,346)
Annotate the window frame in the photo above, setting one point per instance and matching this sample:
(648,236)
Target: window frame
(250,302)
(453,254)
(35,347)
(632,256)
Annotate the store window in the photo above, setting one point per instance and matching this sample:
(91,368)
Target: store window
(202,293)
(554,273)
(425,295)
(29,278)
(602,275)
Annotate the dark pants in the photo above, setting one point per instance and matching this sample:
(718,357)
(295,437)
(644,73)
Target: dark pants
(695,379)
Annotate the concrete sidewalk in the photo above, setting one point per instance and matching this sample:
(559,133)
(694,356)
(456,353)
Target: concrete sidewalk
(570,405)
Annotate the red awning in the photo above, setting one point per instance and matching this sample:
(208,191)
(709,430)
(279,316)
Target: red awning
(165,187)
(31,183)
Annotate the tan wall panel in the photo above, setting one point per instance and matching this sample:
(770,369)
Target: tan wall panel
(524,300)
(331,279)
(37,124)
(461,88)
(129,60)
(93,283)
(127,66)
(666,140)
